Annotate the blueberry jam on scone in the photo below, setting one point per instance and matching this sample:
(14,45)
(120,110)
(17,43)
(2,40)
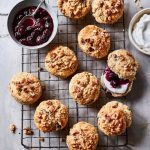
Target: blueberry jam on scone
(118,77)
(113,83)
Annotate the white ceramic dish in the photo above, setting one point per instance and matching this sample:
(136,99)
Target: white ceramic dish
(27,3)
(134,20)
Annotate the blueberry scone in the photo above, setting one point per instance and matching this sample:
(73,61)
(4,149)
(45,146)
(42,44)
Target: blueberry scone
(118,76)
(61,61)
(51,115)
(25,88)
(83,136)
(107,11)
(84,88)
(94,41)
(114,118)
(74,9)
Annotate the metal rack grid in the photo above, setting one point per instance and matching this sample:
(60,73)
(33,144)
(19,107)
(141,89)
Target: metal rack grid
(55,88)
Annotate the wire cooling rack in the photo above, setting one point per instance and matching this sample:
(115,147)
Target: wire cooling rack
(55,88)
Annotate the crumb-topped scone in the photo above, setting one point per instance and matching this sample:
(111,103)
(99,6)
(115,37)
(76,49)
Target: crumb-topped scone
(25,88)
(74,9)
(107,11)
(51,115)
(118,77)
(61,61)
(114,118)
(84,88)
(94,41)
(83,136)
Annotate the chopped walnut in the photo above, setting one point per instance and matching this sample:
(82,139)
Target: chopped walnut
(28,131)
(12,128)
(41,139)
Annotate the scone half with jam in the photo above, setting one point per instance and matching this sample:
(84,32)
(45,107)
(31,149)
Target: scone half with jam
(120,73)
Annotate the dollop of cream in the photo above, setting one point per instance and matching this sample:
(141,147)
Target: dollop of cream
(141,32)
(120,90)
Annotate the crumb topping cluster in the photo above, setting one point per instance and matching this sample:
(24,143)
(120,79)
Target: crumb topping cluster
(107,10)
(82,136)
(51,115)
(94,41)
(74,8)
(61,59)
(84,88)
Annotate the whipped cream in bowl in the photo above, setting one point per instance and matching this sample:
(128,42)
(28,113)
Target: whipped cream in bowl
(139,31)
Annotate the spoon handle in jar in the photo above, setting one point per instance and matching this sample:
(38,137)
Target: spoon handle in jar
(38,7)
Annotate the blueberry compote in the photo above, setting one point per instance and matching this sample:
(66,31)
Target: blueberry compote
(33,32)
(114,80)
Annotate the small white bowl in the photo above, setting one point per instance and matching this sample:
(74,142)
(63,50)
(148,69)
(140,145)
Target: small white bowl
(134,20)
(26,3)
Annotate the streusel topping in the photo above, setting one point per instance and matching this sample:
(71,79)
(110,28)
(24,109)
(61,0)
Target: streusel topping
(84,88)
(61,61)
(51,115)
(83,136)
(107,11)
(94,41)
(74,9)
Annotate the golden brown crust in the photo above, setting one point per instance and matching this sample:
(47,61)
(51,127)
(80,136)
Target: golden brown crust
(61,61)
(112,114)
(25,88)
(94,41)
(122,63)
(51,115)
(107,11)
(112,122)
(83,136)
(84,88)
(74,9)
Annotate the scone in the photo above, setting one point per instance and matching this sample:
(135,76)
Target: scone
(84,88)
(94,41)
(25,88)
(118,77)
(83,136)
(61,61)
(51,115)
(107,11)
(74,9)
(114,118)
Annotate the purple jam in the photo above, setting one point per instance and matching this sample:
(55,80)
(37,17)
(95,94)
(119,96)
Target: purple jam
(113,78)
(33,32)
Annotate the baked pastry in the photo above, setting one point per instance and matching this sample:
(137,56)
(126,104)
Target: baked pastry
(83,136)
(107,11)
(114,118)
(84,88)
(94,41)
(51,115)
(119,75)
(25,88)
(61,61)
(74,9)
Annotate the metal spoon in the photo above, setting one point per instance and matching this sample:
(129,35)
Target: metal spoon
(32,15)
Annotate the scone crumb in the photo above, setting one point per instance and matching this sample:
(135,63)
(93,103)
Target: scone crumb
(63,139)
(28,131)
(41,139)
(13,128)
(40,69)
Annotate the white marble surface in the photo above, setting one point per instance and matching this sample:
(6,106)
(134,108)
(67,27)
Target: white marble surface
(10,111)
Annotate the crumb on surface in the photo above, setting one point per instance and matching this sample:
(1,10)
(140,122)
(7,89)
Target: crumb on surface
(40,69)
(13,128)
(41,139)
(62,139)
(28,131)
